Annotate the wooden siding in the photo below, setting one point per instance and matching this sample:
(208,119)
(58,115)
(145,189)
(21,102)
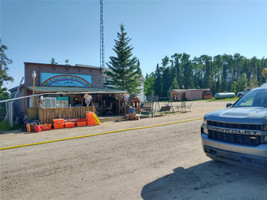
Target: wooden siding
(46,115)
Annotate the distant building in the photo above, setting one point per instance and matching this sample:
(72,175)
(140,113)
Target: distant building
(190,94)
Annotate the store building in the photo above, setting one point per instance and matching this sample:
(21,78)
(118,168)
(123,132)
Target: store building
(65,86)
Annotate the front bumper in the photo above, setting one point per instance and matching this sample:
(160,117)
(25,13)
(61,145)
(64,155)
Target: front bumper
(235,154)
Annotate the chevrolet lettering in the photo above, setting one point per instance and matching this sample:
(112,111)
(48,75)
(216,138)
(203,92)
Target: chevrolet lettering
(233,131)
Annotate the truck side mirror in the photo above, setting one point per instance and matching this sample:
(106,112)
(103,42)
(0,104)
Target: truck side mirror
(229,105)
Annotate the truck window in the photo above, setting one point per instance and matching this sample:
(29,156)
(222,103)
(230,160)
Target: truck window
(257,98)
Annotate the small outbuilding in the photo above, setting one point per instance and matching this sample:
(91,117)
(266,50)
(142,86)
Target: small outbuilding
(193,94)
(207,94)
(178,95)
(190,94)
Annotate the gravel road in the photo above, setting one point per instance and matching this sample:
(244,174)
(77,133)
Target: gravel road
(165,162)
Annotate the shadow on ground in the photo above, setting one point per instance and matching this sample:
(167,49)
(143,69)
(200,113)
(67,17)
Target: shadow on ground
(210,180)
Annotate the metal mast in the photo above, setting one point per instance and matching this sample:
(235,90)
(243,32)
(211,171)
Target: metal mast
(102,49)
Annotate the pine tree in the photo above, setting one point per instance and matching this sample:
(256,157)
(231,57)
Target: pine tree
(158,81)
(149,84)
(173,86)
(4,77)
(234,87)
(177,66)
(241,82)
(187,71)
(124,67)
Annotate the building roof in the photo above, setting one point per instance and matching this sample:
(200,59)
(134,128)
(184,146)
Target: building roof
(87,66)
(13,89)
(77,65)
(59,89)
(184,90)
(177,90)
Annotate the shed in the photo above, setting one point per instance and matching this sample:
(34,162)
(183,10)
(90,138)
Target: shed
(178,95)
(207,94)
(193,94)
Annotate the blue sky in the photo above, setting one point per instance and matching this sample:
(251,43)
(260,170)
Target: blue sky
(37,30)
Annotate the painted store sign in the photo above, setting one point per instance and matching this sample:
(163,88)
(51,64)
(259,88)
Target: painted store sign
(53,79)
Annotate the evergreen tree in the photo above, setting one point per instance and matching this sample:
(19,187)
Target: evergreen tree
(234,87)
(173,86)
(178,68)
(167,76)
(198,72)
(208,76)
(4,77)
(53,61)
(241,82)
(124,68)
(158,81)
(220,73)
(187,71)
(149,84)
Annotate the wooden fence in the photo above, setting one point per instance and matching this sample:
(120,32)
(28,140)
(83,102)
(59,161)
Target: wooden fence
(32,113)
(46,115)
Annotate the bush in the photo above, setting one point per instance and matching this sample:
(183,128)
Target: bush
(4,126)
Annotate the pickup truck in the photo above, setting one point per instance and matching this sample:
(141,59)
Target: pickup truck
(240,94)
(238,133)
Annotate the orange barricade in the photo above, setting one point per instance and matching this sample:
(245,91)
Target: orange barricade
(90,119)
(81,123)
(58,126)
(46,127)
(58,121)
(69,124)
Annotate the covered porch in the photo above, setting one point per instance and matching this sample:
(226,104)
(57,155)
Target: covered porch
(72,102)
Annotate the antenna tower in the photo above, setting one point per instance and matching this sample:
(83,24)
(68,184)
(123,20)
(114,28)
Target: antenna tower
(102,48)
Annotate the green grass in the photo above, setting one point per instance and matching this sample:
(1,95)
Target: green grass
(213,99)
(227,99)
(4,126)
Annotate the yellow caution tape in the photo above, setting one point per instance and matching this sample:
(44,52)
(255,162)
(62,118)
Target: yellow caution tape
(95,134)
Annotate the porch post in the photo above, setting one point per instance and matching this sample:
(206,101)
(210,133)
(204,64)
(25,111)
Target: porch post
(119,107)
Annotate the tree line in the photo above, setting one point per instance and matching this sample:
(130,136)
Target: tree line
(232,73)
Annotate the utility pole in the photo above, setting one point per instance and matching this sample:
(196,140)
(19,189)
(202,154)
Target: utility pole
(102,49)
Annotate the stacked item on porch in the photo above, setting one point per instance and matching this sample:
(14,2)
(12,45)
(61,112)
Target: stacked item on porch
(46,127)
(69,124)
(81,122)
(29,125)
(92,119)
(58,123)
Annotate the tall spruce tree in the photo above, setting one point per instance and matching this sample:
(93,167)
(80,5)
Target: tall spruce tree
(124,67)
